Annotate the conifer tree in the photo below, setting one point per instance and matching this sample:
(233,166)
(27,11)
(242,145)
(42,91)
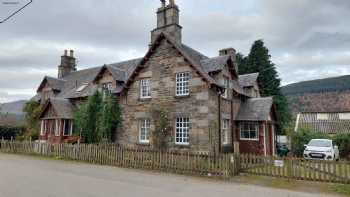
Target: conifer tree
(259,60)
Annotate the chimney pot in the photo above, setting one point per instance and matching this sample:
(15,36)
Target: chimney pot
(65,52)
(71,53)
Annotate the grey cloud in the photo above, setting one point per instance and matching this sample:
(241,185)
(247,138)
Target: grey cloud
(307,39)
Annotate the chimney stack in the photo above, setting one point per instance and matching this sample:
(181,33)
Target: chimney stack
(168,21)
(228,51)
(71,53)
(68,64)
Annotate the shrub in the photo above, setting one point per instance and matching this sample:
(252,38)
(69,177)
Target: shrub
(302,137)
(8,132)
(343,142)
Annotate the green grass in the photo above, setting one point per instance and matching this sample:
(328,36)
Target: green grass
(294,185)
(340,189)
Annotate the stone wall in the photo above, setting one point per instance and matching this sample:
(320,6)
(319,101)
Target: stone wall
(161,68)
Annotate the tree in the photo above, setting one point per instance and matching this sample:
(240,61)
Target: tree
(110,117)
(32,110)
(98,118)
(86,119)
(242,62)
(259,60)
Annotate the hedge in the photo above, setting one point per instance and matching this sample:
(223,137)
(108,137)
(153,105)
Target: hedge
(8,132)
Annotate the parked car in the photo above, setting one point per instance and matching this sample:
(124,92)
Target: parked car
(321,149)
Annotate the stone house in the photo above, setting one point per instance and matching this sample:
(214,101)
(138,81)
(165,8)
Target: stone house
(211,107)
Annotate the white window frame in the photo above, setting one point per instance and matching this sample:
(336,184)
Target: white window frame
(42,131)
(144,131)
(226,83)
(225,127)
(57,128)
(145,88)
(250,125)
(107,87)
(182,84)
(182,131)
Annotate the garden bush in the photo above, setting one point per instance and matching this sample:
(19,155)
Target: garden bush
(343,142)
(302,137)
(8,132)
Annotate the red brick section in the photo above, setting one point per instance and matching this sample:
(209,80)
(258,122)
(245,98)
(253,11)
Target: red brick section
(250,146)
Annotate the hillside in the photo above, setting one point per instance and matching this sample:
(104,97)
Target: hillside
(333,84)
(322,95)
(12,113)
(13,107)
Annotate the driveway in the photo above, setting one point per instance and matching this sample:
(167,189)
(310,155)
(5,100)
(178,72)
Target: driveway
(23,176)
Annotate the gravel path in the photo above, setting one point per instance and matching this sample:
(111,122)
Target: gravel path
(23,176)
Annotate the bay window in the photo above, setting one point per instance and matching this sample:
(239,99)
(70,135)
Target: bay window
(67,128)
(225,131)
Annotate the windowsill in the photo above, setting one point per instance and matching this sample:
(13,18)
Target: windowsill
(145,99)
(226,99)
(182,96)
(182,145)
(246,139)
(143,144)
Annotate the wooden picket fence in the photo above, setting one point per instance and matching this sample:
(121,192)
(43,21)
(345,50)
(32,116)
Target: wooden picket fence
(296,168)
(202,164)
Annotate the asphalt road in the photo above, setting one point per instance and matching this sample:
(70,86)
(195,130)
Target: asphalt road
(22,176)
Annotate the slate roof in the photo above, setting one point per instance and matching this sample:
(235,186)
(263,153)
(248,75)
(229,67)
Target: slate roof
(255,109)
(62,107)
(215,64)
(333,124)
(56,84)
(248,80)
(69,84)
(122,71)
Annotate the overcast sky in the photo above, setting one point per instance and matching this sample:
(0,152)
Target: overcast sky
(308,39)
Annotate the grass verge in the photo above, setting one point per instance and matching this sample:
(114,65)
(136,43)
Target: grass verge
(295,185)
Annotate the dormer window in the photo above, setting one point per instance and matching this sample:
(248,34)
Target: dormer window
(145,88)
(226,84)
(107,87)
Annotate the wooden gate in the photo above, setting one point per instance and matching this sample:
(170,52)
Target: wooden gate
(296,168)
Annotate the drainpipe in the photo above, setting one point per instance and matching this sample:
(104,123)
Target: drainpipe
(219,122)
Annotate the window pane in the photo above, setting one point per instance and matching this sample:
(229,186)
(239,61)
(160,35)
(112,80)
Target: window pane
(249,131)
(182,130)
(182,84)
(145,130)
(145,88)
